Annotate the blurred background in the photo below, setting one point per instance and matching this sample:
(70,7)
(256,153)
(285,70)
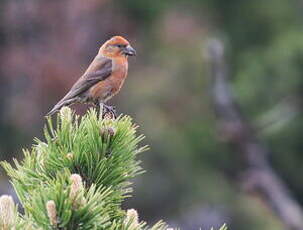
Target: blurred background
(193,179)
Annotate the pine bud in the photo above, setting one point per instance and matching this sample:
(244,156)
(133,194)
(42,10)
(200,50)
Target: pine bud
(70,156)
(132,216)
(107,131)
(7,212)
(76,188)
(111,131)
(51,212)
(103,131)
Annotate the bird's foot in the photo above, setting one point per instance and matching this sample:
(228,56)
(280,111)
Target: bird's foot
(109,112)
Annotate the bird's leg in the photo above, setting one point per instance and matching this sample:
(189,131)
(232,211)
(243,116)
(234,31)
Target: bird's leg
(101,109)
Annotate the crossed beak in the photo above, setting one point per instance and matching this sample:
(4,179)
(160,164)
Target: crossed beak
(130,51)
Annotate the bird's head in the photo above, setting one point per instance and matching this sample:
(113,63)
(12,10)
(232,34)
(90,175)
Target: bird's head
(117,46)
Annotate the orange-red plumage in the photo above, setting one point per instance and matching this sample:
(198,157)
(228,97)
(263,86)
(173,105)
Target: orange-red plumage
(103,78)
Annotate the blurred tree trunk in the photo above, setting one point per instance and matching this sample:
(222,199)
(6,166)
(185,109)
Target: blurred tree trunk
(236,130)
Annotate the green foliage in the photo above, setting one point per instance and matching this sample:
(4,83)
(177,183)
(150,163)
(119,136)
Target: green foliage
(79,177)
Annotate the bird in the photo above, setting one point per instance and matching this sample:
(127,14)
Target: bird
(103,78)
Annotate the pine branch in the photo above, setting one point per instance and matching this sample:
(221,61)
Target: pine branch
(78,177)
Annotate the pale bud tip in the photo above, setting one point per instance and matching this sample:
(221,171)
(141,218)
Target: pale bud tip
(76,180)
(132,215)
(75,189)
(69,156)
(51,212)
(7,211)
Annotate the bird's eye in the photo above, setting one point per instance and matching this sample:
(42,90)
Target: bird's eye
(120,46)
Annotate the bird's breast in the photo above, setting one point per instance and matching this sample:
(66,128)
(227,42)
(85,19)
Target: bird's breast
(119,68)
(104,90)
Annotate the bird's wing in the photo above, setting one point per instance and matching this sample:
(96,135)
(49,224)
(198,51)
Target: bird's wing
(97,71)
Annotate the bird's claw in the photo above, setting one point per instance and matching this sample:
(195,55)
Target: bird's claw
(109,112)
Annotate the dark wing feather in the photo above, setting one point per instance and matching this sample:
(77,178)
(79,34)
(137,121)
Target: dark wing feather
(99,70)
(89,79)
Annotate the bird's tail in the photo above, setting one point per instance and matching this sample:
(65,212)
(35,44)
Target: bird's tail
(55,109)
(59,105)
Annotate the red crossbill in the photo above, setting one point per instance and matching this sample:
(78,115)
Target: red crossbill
(103,78)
